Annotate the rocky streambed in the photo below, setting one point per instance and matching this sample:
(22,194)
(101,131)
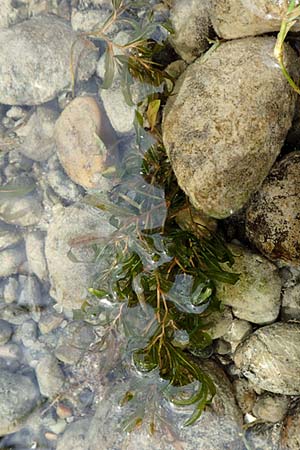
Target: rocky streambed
(230,129)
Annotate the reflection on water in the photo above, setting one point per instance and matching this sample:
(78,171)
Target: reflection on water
(66,380)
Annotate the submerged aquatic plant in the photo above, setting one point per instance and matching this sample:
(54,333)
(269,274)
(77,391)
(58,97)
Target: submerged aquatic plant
(291,16)
(158,288)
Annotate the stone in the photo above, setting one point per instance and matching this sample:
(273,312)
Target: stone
(27,333)
(14,314)
(30,296)
(90,19)
(80,149)
(270,358)
(39,49)
(273,220)
(49,376)
(75,437)
(24,211)
(220,323)
(233,19)
(222,148)
(290,305)
(192,28)
(70,231)
(255,297)
(237,331)
(11,356)
(36,140)
(49,321)
(11,290)
(5,331)
(11,261)
(264,436)
(35,251)
(244,394)
(63,186)
(290,435)
(18,397)
(74,341)
(271,408)
(9,236)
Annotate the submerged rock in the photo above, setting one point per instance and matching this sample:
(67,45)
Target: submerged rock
(39,49)
(226,122)
(270,358)
(271,408)
(290,309)
(290,433)
(18,397)
(233,19)
(273,217)
(70,258)
(192,28)
(255,297)
(80,149)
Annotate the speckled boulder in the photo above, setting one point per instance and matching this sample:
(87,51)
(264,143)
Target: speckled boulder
(255,297)
(37,53)
(238,18)
(226,122)
(273,217)
(192,28)
(270,358)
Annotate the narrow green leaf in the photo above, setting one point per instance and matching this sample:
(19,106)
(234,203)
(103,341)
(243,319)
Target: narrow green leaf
(12,191)
(109,68)
(152,112)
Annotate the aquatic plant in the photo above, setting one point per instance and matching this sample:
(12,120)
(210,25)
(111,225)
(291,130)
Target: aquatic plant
(156,294)
(291,16)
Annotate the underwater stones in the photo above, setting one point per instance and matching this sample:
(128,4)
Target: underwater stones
(271,408)
(255,297)
(76,436)
(69,257)
(192,28)
(37,53)
(34,244)
(290,433)
(18,397)
(11,261)
(270,358)
(49,376)
(36,135)
(233,19)
(24,211)
(273,216)
(80,148)
(225,124)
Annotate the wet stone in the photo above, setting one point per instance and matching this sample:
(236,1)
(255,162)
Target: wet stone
(49,321)
(271,408)
(27,333)
(9,236)
(290,307)
(6,331)
(24,211)
(50,376)
(11,290)
(75,340)
(244,394)
(11,356)
(11,261)
(35,251)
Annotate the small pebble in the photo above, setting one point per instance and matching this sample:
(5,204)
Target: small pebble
(63,411)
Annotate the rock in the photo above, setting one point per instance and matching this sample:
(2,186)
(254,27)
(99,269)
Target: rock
(263,436)
(11,261)
(237,331)
(75,437)
(27,333)
(273,220)
(75,340)
(271,408)
(290,435)
(90,19)
(31,296)
(244,394)
(63,186)
(49,321)
(270,358)
(18,397)
(5,331)
(290,307)
(233,19)
(69,233)
(35,251)
(11,290)
(9,236)
(81,151)
(24,211)
(36,135)
(10,13)
(192,28)
(39,49)
(14,314)
(222,148)
(255,297)
(49,376)
(220,323)
(11,356)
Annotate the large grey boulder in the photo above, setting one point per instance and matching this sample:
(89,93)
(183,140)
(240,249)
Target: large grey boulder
(70,258)
(18,397)
(270,358)
(273,220)
(255,297)
(192,28)
(226,122)
(37,52)
(238,18)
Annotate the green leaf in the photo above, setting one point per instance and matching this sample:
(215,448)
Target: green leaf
(152,112)
(10,191)
(109,68)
